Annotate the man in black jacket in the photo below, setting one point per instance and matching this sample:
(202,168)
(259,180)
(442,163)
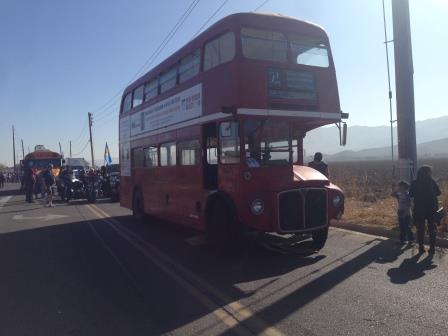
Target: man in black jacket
(424,190)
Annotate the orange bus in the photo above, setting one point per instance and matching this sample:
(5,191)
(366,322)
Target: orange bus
(41,158)
(212,138)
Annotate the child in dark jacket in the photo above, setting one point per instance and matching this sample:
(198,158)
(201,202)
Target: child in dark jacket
(404,211)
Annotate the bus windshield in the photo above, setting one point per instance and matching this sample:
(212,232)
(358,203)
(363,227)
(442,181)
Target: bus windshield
(273,46)
(268,142)
(309,51)
(42,163)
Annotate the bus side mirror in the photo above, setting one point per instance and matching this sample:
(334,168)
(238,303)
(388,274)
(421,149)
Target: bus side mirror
(343,134)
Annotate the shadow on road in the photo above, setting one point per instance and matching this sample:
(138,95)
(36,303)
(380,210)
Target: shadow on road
(411,269)
(100,284)
(10,191)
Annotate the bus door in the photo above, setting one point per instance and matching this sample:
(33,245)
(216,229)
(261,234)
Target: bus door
(229,156)
(210,155)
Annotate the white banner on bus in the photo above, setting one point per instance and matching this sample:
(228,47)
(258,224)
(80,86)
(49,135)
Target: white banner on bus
(178,108)
(125,146)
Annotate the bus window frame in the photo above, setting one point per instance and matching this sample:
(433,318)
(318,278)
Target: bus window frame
(220,162)
(221,33)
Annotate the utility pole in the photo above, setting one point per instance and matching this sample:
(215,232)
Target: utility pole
(23,150)
(70,149)
(14,147)
(392,121)
(404,82)
(60,148)
(90,115)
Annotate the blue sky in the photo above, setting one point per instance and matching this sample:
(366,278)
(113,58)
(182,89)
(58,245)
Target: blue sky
(62,59)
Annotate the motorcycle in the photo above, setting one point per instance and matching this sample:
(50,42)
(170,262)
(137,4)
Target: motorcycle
(77,189)
(65,190)
(92,188)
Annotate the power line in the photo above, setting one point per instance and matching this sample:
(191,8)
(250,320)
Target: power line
(149,61)
(106,112)
(83,149)
(211,17)
(80,134)
(262,4)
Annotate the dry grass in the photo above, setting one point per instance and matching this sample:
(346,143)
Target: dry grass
(368,185)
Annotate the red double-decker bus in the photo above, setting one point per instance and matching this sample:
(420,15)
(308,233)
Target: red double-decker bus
(212,137)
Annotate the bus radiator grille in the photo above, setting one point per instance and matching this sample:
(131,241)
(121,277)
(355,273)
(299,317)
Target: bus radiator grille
(302,209)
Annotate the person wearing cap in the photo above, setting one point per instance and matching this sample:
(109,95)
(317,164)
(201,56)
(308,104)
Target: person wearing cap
(49,181)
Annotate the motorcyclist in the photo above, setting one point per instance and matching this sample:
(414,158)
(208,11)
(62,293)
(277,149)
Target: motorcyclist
(66,181)
(82,176)
(105,181)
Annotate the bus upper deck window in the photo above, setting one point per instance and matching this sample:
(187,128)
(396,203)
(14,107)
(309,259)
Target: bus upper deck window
(151,89)
(189,66)
(309,51)
(127,103)
(264,45)
(229,142)
(138,96)
(168,79)
(219,50)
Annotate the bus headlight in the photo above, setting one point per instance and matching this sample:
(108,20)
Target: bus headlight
(337,201)
(257,207)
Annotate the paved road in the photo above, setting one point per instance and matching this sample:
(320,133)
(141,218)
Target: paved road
(80,269)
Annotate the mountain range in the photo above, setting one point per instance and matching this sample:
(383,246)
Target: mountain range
(370,143)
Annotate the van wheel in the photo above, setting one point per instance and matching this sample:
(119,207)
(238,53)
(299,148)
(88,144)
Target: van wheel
(222,229)
(320,238)
(138,211)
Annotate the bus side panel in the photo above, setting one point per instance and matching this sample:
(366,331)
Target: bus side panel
(190,195)
(126,192)
(220,88)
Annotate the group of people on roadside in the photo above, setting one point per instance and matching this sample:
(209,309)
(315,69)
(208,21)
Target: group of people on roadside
(7,177)
(417,204)
(425,213)
(45,183)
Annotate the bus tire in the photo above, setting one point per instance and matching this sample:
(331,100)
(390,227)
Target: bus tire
(138,210)
(222,228)
(320,238)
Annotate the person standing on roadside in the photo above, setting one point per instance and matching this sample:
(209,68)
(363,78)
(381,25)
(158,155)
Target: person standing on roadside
(404,212)
(29,180)
(2,180)
(49,181)
(319,165)
(424,190)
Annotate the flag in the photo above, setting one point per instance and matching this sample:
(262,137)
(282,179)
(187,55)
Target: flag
(107,158)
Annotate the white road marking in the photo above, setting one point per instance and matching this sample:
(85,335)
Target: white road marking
(233,314)
(45,218)
(4,200)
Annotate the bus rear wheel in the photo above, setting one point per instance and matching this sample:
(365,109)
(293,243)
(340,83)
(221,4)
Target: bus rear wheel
(222,229)
(320,238)
(138,211)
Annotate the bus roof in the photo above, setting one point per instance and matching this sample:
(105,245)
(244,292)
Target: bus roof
(42,154)
(256,20)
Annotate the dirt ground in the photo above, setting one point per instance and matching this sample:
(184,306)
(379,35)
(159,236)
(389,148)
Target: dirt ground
(367,186)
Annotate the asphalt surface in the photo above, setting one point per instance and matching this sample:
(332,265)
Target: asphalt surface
(83,269)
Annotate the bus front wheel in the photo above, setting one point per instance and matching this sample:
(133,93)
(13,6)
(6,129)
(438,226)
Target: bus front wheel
(138,210)
(320,238)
